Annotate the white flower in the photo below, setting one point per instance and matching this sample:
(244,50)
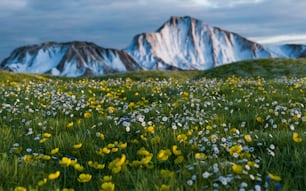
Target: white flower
(28,150)
(164,119)
(206,175)
(190,182)
(272,146)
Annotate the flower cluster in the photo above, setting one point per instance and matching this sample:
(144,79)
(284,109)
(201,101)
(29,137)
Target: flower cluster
(209,134)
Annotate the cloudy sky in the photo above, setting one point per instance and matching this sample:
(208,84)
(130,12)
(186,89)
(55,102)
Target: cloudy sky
(113,23)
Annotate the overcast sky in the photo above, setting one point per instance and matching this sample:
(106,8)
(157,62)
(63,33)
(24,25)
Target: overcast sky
(113,23)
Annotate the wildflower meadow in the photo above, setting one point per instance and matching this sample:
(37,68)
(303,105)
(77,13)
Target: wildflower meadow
(154,131)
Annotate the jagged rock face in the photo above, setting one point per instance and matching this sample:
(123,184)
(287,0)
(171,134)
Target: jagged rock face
(69,59)
(186,43)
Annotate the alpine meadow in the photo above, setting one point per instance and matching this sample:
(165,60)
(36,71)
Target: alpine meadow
(240,126)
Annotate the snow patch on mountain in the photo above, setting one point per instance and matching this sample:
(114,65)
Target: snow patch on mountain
(69,59)
(187,43)
(288,50)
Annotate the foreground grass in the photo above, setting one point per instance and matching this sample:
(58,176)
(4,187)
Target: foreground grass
(130,132)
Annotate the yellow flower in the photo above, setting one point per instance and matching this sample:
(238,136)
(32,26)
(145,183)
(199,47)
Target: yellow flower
(201,156)
(176,151)
(259,119)
(235,149)
(150,129)
(68,189)
(106,150)
(115,149)
(185,94)
(54,176)
(43,140)
(116,170)
(111,109)
(116,165)
(45,157)
(296,138)
(252,164)
(143,152)
(78,167)
(107,179)
(181,138)
(47,135)
(42,182)
(107,186)
(275,178)
(234,130)
(87,115)
(146,160)
(189,133)
(100,135)
(28,158)
(237,168)
(79,121)
(96,165)
(99,166)
(121,161)
(122,145)
(110,145)
(69,125)
(65,161)
(77,146)
(20,188)
(132,104)
(166,173)
(155,140)
(209,127)
(179,160)
(83,178)
(247,138)
(163,155)
(164,187)
(135,163)
(143,137)
(54,151)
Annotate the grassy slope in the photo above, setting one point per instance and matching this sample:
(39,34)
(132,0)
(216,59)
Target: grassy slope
(267,68)
(233,101)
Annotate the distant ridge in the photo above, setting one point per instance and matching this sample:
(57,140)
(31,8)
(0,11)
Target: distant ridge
(69,59)
(181,43)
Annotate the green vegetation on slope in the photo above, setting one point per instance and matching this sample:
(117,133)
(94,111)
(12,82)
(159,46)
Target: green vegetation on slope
(155,130)
(268,68)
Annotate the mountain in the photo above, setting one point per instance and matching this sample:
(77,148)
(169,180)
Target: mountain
(181,43)
(288,50)
(69,59)
(187,43)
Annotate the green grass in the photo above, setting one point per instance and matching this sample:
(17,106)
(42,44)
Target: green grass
(269,68)
(130,122)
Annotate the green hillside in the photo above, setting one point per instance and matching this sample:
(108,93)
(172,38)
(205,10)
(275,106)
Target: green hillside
(236,127)
(268,68)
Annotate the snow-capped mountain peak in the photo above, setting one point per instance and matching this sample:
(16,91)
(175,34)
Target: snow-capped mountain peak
(69,59)
(187,43)
(181,43)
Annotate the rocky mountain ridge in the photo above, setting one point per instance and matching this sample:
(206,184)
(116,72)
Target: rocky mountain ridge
(181,43)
